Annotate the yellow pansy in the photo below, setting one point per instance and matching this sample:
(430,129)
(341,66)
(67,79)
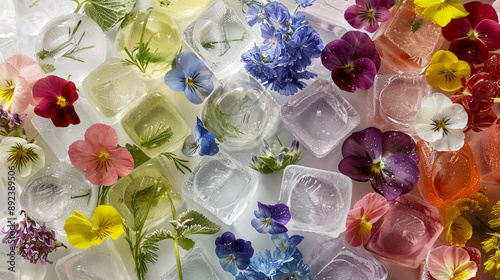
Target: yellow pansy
(445,71)
(442,11)
(457,229)
(83,232)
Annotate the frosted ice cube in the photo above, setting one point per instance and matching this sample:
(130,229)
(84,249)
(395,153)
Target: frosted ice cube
(219,37)
(336,259)
(222,185)
(8,33)
(71,45)
(111,88)
(330,9)
(60,138)
(101,262)
(32,15)
(318,200)
(320,117)
(195,265)
(48,195)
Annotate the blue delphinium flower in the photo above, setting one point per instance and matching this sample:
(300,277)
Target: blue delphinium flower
(233,253)
(189,74)
(254,14)
(265,263)
(286,247)
(304,3)
(251,275)
(271,218)
(295,269)
(203,142)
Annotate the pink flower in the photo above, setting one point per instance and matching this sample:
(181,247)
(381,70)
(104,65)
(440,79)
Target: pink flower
(451,262)
(56,96)
(18,74)
(99,156)
(358,226)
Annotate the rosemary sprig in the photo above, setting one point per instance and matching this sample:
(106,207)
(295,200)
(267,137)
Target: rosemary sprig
(179,163)
(155,136)
(209,45)
(223,123)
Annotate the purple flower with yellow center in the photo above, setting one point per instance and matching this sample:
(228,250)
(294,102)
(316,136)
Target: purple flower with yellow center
(388,160)
(233,253)
(353,60)
(366,14)
(271,218)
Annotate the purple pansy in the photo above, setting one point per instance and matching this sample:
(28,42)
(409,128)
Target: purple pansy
(271,218)
(366,14)
(353,60)
(233,253)
(388,160)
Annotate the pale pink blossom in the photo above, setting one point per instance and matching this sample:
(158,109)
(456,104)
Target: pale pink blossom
(451,262)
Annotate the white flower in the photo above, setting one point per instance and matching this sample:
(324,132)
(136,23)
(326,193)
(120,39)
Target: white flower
(441,122)
(25,157)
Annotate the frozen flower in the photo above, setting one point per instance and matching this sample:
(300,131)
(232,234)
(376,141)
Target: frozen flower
(358,223)
(286,247)
(450,263)
(251,275)
(492,265)
(457,230)
(56,97)
(388,160)
(233,253)
(440,122)
(190,75)
(271,218)
(83,232)
(203,142)
(18,74)
(474,36)
(353,60)
(273,160)
(27,158)
(442,11)
(446,71)
(99,156)
(33,240)
(295,269)
(265,263)
(366,14)
(304,3)
(254,14)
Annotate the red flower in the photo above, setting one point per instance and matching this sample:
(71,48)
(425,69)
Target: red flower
(474,36)
(56,97)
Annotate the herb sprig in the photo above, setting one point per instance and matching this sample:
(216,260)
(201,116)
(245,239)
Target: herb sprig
(155,136)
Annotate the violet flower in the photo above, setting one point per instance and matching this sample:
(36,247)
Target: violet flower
(271,218)
(353,60)
(33,240)
(233,253)
(388,160)
(366,14)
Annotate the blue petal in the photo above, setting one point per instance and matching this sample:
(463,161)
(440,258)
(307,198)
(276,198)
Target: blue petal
(222,252)
(260,225)
(208,146)
(276,227)
(183,61)
(175,79)
(296,239)
(195,68)
(229,265)
(205,86)
(192,95)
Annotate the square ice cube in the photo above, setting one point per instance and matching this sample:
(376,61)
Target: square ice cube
(111,88)
(336,259)
(393,101)
(195,265)
(320,117)
(330,9)
(318,200)
(60,138)
(219,37)
(222,185)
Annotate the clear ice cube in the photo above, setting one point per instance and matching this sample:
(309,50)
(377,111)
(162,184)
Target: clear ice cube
(72,44)
(222,185)
(111,88)
(219,37)
(319,117)
(331,10)
(195,265)
(318,200)
(336,259)
(8,33)
(50,195)
(60,138)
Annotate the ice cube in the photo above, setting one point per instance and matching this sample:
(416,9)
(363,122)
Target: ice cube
(8,33)
(195,265)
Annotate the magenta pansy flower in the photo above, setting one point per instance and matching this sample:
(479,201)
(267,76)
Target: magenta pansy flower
(366,14)
(99,156)
(56,97)
(388,160)
(475,35)
(353,60)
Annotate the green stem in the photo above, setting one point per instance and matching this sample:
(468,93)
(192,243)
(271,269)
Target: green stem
(496,100)
(177,258)
(484,224)
(296,9)
(103,193)
(79,196)
(80,5)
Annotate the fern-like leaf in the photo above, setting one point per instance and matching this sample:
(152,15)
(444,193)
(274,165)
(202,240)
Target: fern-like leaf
(197,223)
(155,136)
(149,245)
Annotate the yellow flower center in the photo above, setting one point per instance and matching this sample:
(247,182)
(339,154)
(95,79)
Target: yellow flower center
(102,231)
(19,156)
(348,68)
(102,159)
(7,94)
(190,82)
(377,166)
(370,14)
(268,221)
(61,101)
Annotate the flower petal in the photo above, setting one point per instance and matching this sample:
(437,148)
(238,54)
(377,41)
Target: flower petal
(395,142)
(28,68)
(50,86)
(456,115)
(108,216)
(364,73)
(101,136)
(22,97)
(374,205)
(366,143)
(457,28)
(81,153)
(122,161)
(399,176)
(281,213)
(357,168)
(100,175)
(479,11)
(183,61)
(337,54)
(363,47)
(489,33)
(451,142)
(175,79)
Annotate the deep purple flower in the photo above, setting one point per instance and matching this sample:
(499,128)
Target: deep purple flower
(233,253)
(388,160)
(366,14)
(33,240)
(353,60)
(271,218)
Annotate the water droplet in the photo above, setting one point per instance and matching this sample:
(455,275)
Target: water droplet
(318,113)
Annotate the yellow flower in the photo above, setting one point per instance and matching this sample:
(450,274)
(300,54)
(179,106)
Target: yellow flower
(496,209)
(492,265)
(491,243)
(83,232)
(472,203)
(442,11)
(457,230)
(445,71)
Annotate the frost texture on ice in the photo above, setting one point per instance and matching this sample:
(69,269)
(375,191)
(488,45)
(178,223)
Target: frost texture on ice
(195,265)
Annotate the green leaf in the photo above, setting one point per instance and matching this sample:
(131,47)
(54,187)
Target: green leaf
(149,246)
(107,13)
(137,154)
(198,223)
(186,243)
(155,136)
(48,68)
(417,25)
(179,163)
